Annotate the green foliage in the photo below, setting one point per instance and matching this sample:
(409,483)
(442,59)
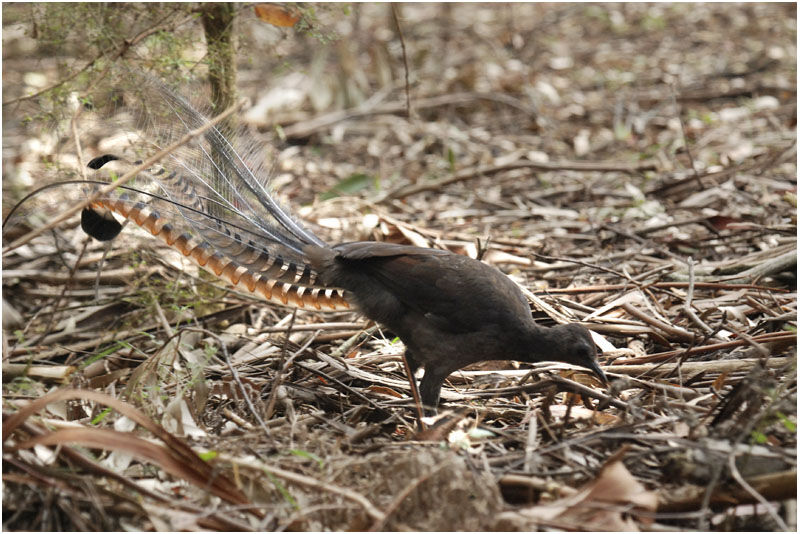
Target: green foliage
(84,38)
(208,455)
(310,25)
(758,437)
(653,22)
(310,456)
(352,184)
(101,416)
(282,490)
(106,352)
(790,425)
(451,159)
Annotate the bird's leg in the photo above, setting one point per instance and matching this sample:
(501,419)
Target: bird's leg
(411,365)
(430,387)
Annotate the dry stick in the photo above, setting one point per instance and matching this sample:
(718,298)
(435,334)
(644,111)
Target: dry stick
(669,329)
(704,95)
(273,394)
(686,140)
(687,305)
(308,127)
(664,285)
(162,318)
(761,349)
(125,178)
(57,303)
(110,275)
(308,482)
(552,379)
(531,442)
(771,266)
(326,376)
(466,174)
(311,326)
(756,495)
(396,16)
(665,251)
(282,366)
(237,379)
(398,500)
(585,264)
(56,373)
(763,338)
(714,366)
(777,486)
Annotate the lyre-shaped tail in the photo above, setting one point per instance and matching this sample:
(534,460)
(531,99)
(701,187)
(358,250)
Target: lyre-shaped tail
(209,200)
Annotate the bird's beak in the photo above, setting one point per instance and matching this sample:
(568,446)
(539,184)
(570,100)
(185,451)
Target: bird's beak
(595,368)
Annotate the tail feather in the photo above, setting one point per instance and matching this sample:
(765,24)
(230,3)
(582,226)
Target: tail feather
(210,200)
(271,277)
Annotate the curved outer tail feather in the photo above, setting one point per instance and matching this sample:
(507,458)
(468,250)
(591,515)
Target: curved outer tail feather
(280,282)
(209,200)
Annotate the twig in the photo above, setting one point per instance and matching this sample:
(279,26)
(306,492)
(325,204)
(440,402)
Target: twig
(652,321)
(161,317)
(582,263)
(276,383)
(398,500)
(344,386)
(756,495)
(238,380)
(347,345)
(624,233)
(713,366)
(308,482)
(687,305)
(412,380)
(310,126)
(787,337)
(772,266)
(686,140)
(396,16)
(467,174)
(67,284)
(531,442)
(310,326)
(552,379)
(662,285)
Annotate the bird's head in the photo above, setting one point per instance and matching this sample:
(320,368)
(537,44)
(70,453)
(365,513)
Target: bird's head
(573,344)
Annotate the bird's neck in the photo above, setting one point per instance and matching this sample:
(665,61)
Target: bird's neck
(539,343)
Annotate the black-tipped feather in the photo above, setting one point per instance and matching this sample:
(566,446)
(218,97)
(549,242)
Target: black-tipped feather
(210,199)
(100,224)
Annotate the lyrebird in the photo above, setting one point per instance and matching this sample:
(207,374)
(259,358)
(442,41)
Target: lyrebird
(211,201)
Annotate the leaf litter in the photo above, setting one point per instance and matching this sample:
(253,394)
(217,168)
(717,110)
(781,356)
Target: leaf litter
(633,166)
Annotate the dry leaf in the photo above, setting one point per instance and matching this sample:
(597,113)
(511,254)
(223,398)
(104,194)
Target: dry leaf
(276,15)
(385,391)
(719,382)
(597,506)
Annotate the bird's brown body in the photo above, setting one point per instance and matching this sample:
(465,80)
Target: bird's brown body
(449,310)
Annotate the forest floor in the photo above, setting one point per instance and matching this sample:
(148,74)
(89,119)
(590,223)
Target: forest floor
(632,165)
